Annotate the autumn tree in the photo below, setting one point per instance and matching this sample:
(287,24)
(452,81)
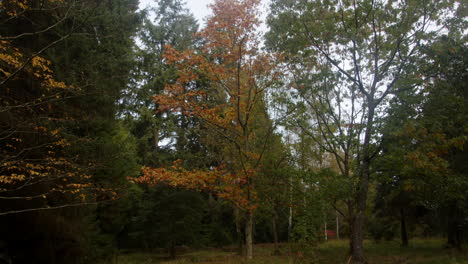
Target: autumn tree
(33,150)
(230,104)
(63,66)
(365,48)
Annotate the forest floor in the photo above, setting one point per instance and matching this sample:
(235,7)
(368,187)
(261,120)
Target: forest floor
(420,251)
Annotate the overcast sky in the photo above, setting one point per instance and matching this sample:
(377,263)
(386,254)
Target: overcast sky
(199,8)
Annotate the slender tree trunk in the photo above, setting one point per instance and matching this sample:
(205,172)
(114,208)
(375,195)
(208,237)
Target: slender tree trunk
(337,225)
(172,251)
(404,233)
(351,238)
(325,230)
(249,235)
(454,230)
(274,219)
(240,242)
(350,220)
(290,217)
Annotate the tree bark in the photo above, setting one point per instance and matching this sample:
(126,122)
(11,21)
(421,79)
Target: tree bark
(249,235)
(357,250)
(404,233)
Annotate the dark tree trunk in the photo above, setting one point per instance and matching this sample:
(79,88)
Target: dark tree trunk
(249,235)
(337,225)
(357,235)
(274,220)
(239,237)
(349,219)
(404,233)
(454,226)
(172,250)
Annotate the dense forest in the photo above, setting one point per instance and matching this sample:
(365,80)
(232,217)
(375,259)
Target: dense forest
(126,130)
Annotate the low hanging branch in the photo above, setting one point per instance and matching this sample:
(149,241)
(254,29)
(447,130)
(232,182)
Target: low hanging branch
(218,181)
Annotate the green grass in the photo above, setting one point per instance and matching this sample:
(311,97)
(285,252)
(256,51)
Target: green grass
(420,251)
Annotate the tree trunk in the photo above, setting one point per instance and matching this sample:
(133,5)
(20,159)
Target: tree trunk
(240,242)
(172,251)
(276,251)
(290,210)
(350,221)
(357,235)
(404,233)
(249,235)
(337,225)
(325,230)
(454,230)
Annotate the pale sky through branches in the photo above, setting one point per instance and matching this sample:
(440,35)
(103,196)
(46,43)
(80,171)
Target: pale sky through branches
(200,9)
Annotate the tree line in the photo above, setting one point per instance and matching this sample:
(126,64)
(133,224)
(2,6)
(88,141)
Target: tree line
(128,129)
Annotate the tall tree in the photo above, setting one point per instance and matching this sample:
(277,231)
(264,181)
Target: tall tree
(167,24)
(430,128)
(231,104)
(63,64)
(368,46)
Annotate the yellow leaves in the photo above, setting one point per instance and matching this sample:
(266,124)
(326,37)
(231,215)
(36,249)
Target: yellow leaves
(51,169)
(10,56)
(41,70)
(14,61)
(12,178)
(62,143)
(55,132)
(14,7)
(41,64)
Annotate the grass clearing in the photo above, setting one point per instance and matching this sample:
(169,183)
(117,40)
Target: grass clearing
(420,251)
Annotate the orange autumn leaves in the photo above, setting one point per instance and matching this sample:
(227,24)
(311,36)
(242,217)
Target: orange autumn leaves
(218,181)
(222,83)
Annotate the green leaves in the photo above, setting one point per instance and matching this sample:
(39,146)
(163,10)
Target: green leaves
(425,132)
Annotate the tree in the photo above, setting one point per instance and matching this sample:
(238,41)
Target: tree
(429,126)
(35,162)
(173,25)
(230,104)
(273,185)
(63,67)
(367,47)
